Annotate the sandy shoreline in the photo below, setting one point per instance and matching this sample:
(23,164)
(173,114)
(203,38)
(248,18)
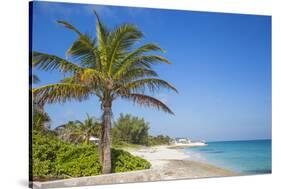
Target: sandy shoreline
(167,164)
(177,163)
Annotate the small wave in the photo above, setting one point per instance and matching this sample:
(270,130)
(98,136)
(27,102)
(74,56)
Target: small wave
(206,150)
(216,152)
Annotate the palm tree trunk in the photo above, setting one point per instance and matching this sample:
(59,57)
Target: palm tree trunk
(88,139)
(104,146)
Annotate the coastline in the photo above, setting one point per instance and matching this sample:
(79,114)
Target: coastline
(167,164)
(173,160)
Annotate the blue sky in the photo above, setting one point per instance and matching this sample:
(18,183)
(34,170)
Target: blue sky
(221,66)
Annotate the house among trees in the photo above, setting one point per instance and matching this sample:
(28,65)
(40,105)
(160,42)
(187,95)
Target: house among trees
(94,140)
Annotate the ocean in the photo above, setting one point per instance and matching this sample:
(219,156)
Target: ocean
(246,157)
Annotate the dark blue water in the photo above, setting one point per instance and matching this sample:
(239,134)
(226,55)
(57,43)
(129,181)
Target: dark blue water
(250,157)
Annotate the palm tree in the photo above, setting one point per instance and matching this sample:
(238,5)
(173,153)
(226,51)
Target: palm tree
(88,128)
(109,66)
(40,121)
(78,131)
(68,132)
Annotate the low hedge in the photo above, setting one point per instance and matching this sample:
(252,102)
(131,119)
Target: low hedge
(54,159)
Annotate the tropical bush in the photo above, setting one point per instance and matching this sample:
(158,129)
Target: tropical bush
(55,159)
(78,161)
(123,161)
(130,129)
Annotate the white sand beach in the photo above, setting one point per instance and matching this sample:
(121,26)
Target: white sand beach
(158,153)
(167,164)
(173,163)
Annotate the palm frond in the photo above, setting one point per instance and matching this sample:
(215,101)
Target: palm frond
(49,62)
(152,84)
(91,78)
(84,49)
(70,80)
(61,92)
(138,58)
(149,101)
(35,79)
(83,44)
(69,26)
(120,40)
(92,74)
(85,77)
(101,34)
(136,73)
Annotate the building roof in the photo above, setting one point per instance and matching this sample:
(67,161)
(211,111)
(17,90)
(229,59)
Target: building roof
(94,138)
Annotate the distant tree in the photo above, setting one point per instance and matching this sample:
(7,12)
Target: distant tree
(40,121)
(68,132)
(130,129)
(79,131)
(158,140)
(88,128)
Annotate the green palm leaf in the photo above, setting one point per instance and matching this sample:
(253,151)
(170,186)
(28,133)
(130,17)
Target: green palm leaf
(137,73)
(120,40)
(48,62)
(137,58)
(61,92)
(84,50)
(69,26)
(102,34)
(152,84)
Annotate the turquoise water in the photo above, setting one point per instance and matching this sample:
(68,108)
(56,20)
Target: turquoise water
(250,157)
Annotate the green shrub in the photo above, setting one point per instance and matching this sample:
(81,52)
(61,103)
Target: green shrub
(54,159)
(78,161)
(44,152)
(123,161)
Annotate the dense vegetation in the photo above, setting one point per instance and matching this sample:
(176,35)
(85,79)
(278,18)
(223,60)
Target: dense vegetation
(128,130)
(158,140)
(55,159)
(66,151)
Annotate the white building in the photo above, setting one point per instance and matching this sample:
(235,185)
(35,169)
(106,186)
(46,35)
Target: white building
(187,142)
(94,140)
